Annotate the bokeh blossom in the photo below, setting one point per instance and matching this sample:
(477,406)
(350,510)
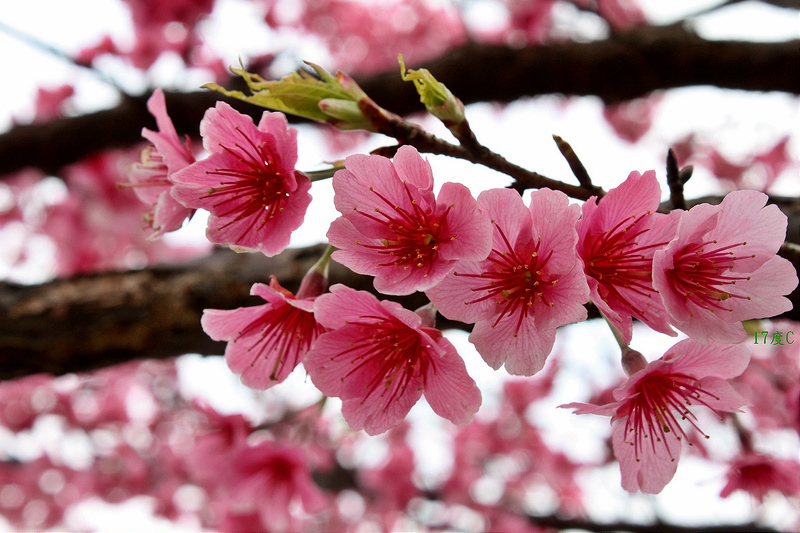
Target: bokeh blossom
(759,474)
(530,284)
(249,184)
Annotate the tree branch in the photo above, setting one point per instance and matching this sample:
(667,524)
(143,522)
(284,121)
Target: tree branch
(87,322)
(622,67)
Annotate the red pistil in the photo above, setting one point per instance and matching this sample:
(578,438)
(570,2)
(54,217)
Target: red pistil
(416,236)
(617,261)
(699,274)
(394,353)
(257,185)
(653,412)
(517,282)
(292,329)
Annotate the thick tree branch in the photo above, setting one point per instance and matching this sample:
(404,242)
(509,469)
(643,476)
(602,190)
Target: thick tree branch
(91,321)
(87,322)
(625,66)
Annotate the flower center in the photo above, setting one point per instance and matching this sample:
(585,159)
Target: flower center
(395,356)
(284,330)
(699,274)
(619,263)
(254,185)
(415,235)
(653,412)
(516,281)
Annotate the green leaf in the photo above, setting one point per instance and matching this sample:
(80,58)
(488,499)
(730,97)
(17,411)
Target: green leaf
(300,94)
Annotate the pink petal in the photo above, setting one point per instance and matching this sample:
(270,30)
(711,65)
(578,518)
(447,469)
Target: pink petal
(467,226)
(413,168)
(449,390)
(707,360)
(656,465)
(335,308)
(523,355)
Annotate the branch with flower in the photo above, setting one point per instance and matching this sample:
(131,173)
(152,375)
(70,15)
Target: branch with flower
(516,271)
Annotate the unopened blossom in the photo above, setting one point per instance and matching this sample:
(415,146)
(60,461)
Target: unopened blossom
(150,179)
(759,474)
(652,415)
(379,358)
(531,283)
(722,267)
(617,238)
(249,185)
(394,228)
(265,342)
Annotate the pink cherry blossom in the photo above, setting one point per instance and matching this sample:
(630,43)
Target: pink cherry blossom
(249,185)
(530,284)
(760,474)
(392,227)
(616,242)
(265,342)
(633,119)
(151,178)
(649,407)
(721,268)
(363,39)
(274,481)
(379,359)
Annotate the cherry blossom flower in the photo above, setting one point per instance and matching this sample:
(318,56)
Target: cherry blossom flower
(530,284)
(150,179)
(392,227)
(274,481)
(617,238)
(249,185)
(265,342)
(632,120)
(648,409)
(379,359)
(759,474)
(721,268)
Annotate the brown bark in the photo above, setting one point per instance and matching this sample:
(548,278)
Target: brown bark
(622,67)
(87,322)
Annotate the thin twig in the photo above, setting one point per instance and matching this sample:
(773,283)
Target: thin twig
(405,132)
(675,181)
(37,43)
(575,164)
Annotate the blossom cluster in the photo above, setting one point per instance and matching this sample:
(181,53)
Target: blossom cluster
(516,271)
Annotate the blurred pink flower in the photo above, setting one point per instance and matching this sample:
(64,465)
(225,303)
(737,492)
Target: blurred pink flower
(722,267)
(50,103)
(632,120)
(759,474)
(379,358)
(530,284)
(273,481)
(392,227)
(648,408)
(150,179)
(616,242)
(265,342)
(249,185)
